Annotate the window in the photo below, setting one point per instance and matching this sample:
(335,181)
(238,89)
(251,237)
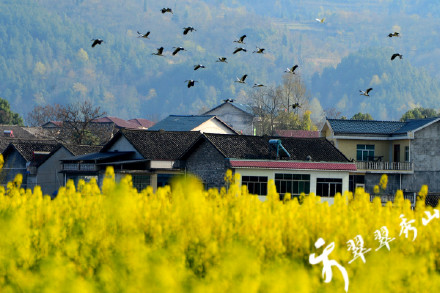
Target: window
(365,152)
(295,184)
(328,187)
(407,154)
(140,182)
(255,184)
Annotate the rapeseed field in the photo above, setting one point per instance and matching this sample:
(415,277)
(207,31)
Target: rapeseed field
(186,239)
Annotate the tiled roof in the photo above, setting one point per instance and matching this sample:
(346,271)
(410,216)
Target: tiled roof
(242,107)
(28,149)
(100,156)
(341,126)
(181,122)
(297,133)
(157,145)
(140,122)
(19,134)
(293,165)
(78,150)
(52,123)
(120,123)
(257,147)
(414,124)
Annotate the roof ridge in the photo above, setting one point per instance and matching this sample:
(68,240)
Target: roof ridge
(370,121)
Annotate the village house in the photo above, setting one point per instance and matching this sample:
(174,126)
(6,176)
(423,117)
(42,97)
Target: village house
(25,157)
(15,133)
(201,123)
(39,162)
(101,129)
(48,172)
(150,157)
(297,165)
(407,152)
(236,115)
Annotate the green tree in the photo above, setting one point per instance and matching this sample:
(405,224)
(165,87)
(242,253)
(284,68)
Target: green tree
(7,116)
(419,113)
(362,116)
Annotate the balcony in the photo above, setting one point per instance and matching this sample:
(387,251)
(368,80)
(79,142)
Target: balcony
(406,167)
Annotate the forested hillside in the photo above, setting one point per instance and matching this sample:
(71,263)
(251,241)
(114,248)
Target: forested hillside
(397,86)
(46,55)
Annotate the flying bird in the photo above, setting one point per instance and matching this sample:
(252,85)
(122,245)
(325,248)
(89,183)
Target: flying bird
(191,82)
(258,85)
(188,29)
(291,70)
(395,34)
(296,105)
(228,101)
(198,66)
(177,50)
(164,10)
(159,52)
(259,51)
(238,49)
(241,80)
(396,55)
(143,35)
(320,20)
(240,40)
(366,93)
(222,59)
(97,42)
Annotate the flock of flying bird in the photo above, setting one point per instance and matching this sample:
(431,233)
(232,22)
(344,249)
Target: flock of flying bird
(190,83)
(394,56)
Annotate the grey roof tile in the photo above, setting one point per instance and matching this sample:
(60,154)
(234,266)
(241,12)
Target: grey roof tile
(157,145)
(181,122)
(341,126)
(257,147)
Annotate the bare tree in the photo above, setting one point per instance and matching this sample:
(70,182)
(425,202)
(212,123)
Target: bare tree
(266,103)
(43,114)
(294,92)
(77,118)
(332,113)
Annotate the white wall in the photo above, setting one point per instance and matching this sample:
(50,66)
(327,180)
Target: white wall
(123,145)
(314,175)
(213,126)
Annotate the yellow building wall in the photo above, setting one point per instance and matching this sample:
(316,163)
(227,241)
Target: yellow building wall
(381,148)
(403,144)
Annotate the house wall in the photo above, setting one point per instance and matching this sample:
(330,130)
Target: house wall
(403,143)
(48,176)
(123,145)
(383,148)
(213,126)
(425,155)
(208,164)
(237,119)
(13,165)
(314,175)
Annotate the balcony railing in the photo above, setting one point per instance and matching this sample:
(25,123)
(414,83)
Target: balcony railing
(384,198)
(389,166)
(79,167)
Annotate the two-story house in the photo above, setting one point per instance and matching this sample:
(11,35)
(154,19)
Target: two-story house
(150,157)
(407,152)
